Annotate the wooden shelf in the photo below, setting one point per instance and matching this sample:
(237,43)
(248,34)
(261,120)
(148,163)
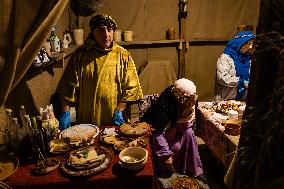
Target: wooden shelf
(58,62)
(151,42)
(64,52)
(165,43)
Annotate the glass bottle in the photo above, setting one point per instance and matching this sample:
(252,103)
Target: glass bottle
(37,135)
(5,140)
(9,116)
(44,134)
(28,125)
(15,134)
(30,131)
(30,144)
(22,116)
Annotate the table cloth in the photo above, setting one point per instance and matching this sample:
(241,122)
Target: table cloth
(209,128)
(113,177)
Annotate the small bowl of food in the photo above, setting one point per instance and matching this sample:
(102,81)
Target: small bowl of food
(133,158)
(46,166)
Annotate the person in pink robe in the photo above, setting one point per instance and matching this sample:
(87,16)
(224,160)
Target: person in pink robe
(172,115)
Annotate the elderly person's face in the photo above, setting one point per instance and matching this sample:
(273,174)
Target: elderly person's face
(248,47)
(103,36)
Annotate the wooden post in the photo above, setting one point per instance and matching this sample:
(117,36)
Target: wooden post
(182,47)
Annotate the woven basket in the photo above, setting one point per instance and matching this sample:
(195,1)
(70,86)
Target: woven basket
(232,127)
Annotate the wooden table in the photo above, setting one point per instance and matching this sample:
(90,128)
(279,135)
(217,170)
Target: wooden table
(221,145)
(113,177)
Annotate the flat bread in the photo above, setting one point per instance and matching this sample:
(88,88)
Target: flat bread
(81,132)
(134,130)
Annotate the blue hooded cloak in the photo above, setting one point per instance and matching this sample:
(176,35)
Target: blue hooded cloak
(241,60)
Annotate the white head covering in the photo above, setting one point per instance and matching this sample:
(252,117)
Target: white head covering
(185,86)
(184,90)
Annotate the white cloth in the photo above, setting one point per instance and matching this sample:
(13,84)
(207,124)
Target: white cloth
(156,76)
(227,81)
(226,71)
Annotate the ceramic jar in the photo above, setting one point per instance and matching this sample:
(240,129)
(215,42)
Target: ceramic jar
(66,40)
(127,35)
(171,34)
(117,36)
(55,44)
(78,36)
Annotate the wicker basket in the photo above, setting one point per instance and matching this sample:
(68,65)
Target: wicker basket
(232,127)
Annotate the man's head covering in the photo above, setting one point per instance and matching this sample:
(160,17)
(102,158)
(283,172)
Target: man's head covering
(102,20)
(184,90)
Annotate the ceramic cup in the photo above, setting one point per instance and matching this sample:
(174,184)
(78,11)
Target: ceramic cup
(78,35)
(117,36)
(171,33)
(127,35)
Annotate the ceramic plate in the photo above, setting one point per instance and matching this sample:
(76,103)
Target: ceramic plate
(91,170)
(50,166)
(8,165)
(4,186)
(185,182)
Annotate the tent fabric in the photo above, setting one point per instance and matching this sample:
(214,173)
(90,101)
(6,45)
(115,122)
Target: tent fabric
(26,25)
(206,20)
(148,19)
(156,76)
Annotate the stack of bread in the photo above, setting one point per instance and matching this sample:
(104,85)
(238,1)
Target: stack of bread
(87,161)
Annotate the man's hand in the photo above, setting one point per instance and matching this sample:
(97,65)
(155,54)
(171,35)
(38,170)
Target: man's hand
(118,118)
(64,120)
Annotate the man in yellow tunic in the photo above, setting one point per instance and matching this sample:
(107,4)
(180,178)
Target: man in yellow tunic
(100,78)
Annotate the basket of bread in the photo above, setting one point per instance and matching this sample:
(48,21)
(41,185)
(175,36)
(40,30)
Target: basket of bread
(232,127)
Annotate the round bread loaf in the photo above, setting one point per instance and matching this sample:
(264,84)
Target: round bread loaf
(134,130)
(78,133)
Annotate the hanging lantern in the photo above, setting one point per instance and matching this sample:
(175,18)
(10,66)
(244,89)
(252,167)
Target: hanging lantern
(183,8)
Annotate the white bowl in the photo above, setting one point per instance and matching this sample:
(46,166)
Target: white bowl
(233,115)
(133,158)
(208,105)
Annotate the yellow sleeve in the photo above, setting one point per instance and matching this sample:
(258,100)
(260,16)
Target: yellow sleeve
(131,87)
(69,81)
